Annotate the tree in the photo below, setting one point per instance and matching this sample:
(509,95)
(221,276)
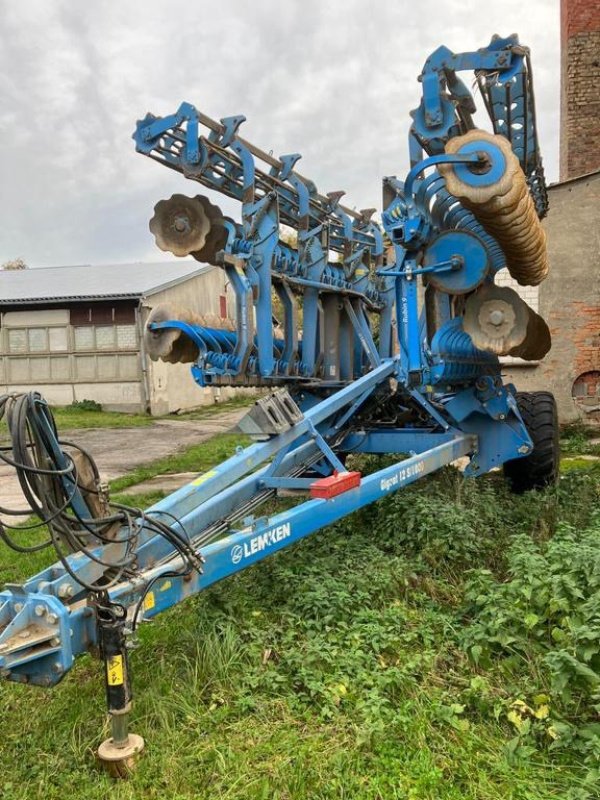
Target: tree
(16,263)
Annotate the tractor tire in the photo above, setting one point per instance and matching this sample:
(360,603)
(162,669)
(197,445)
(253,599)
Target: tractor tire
(541,467)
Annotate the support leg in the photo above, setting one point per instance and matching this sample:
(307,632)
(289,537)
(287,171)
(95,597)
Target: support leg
(118,753)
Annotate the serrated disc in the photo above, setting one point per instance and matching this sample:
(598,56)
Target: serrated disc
(496,319)
(537,342)
(170,344)
(180,224)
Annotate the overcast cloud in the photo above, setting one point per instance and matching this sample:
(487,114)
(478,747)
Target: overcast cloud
(334,80)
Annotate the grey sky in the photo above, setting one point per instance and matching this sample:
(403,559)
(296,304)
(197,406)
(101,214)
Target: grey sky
(334,80)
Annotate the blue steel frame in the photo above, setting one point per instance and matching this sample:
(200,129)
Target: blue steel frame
(503,73)
(257,261)
(46,622)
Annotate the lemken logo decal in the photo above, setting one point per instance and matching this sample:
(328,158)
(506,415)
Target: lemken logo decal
(237,554)
(260,542)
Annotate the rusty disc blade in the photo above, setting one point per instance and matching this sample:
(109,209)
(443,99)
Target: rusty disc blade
(496,319)
(180,224)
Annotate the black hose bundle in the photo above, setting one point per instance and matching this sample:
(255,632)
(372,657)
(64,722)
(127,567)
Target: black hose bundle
(77,517)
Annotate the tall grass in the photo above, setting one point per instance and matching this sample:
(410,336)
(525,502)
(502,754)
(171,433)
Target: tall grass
(347,666)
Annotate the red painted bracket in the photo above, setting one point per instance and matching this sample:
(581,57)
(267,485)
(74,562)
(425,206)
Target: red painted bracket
(338,483)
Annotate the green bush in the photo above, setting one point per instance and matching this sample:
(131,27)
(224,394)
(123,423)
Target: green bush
(84,405)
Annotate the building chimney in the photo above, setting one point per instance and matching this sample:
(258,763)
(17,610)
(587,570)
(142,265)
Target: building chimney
(580,88)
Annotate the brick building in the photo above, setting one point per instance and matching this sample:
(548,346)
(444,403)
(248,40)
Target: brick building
(569,299)
(580,92)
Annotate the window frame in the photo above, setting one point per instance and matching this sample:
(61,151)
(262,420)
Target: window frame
(114,348)
(25,329)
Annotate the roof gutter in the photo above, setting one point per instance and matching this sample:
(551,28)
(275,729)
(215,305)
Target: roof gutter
(38,301)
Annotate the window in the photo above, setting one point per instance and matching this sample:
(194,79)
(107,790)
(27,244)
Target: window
(587,386)
(37,340)
(530,294)
(17,341)
(84,338)
(105,337)
(41,346)
(57,340)
(39,369)
(106,367)
(126,337)
(586,394)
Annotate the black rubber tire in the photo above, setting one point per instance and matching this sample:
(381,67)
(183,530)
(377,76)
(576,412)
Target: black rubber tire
(541,467)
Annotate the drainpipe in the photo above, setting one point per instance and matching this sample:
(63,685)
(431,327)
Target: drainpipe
(143,358)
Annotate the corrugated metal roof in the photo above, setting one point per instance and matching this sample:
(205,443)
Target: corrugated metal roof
(110,281)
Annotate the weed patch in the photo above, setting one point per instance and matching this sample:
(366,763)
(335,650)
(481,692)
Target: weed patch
(577,439)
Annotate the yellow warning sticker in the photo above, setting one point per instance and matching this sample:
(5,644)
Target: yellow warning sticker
(149,601)
(114,671)
(204,477)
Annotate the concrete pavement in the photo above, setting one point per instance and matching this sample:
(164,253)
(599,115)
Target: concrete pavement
(117,451)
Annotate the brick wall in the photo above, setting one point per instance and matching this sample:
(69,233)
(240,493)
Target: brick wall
(580,95)
(569,301)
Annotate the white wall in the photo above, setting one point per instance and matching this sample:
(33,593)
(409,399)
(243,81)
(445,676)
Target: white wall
(112,396)
(171,387)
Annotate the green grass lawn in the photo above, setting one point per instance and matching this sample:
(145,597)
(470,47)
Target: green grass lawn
(442,644)
(197,458)
(69,417)
(75,416)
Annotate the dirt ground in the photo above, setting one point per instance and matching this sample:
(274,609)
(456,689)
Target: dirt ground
(119,450)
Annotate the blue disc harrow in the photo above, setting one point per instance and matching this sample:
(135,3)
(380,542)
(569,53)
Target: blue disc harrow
(367,335)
